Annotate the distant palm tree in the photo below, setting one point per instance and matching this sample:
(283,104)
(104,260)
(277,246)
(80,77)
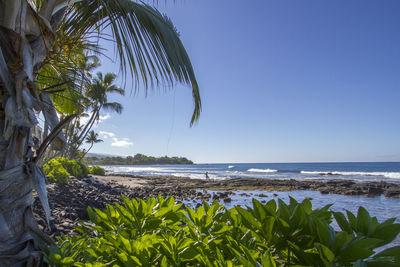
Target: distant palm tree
(92,138)
(97,96)
(38,35)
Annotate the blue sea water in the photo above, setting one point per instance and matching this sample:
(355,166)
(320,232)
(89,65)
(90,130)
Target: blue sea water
(358,171)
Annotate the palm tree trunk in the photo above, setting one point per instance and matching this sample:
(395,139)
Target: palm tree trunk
(84,133)
(90,122)
(20,236)
(88,130)
(84,154)
(19,233)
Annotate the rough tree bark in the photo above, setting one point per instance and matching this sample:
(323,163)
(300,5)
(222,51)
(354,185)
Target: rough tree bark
(25,39)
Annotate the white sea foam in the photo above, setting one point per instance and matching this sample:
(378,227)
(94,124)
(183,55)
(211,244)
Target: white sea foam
(261,170)
(231,166)
(392,175)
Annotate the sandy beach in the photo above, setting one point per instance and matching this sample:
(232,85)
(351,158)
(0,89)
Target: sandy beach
(122,180)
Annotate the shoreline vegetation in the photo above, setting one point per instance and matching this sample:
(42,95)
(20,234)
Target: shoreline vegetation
(138,159)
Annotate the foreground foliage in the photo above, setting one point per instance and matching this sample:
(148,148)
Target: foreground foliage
(59,169)
(158,232)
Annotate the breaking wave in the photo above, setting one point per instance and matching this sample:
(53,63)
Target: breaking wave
(262,170)
(392,175)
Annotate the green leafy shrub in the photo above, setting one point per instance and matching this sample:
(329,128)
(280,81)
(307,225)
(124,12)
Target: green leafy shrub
(75,168)
(55,172)
(97,170)
(59,169)
(158,232)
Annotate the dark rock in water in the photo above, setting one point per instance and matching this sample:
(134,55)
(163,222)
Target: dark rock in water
(350,193)
(275,194)
(324,191)
(223,194)
(227,200)
(215,196)
(305,186)
(392,193)
(262,195)
(361,192)
(375,191)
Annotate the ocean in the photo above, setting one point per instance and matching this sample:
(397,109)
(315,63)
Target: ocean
(357,171)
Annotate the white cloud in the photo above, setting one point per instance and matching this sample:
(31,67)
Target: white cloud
(105,117)
(115,141)
(105,134)
(121,142)
(85,119)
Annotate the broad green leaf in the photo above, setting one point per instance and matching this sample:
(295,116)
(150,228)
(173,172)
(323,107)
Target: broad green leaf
(342,222)
(351,254)
(340,240)
(363,221)
(271,207)
(248,219)
(325,251)
(267,260)
(284,211)
(390,252)
(387,233)
(259,210)
(323,233)
(352,220)
(307,206)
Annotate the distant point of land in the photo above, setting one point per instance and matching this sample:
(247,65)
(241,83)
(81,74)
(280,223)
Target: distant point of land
(138,159)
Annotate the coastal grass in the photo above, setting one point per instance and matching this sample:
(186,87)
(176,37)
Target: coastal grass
(159,232)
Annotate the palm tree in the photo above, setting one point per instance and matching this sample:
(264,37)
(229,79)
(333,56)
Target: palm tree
(96,95)
(92,138)
(39,35)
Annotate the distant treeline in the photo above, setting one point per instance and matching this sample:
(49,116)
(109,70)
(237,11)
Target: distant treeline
(138,159)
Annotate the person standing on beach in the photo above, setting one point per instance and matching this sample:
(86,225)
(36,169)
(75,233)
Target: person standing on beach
(207,175)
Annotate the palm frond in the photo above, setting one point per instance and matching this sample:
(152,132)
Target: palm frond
(115,89)
(113,106)
(109,78)
(147,42)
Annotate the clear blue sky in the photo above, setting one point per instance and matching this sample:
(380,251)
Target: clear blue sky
(281,81)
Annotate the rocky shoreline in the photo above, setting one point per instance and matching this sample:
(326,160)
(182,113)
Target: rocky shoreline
(69,202)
